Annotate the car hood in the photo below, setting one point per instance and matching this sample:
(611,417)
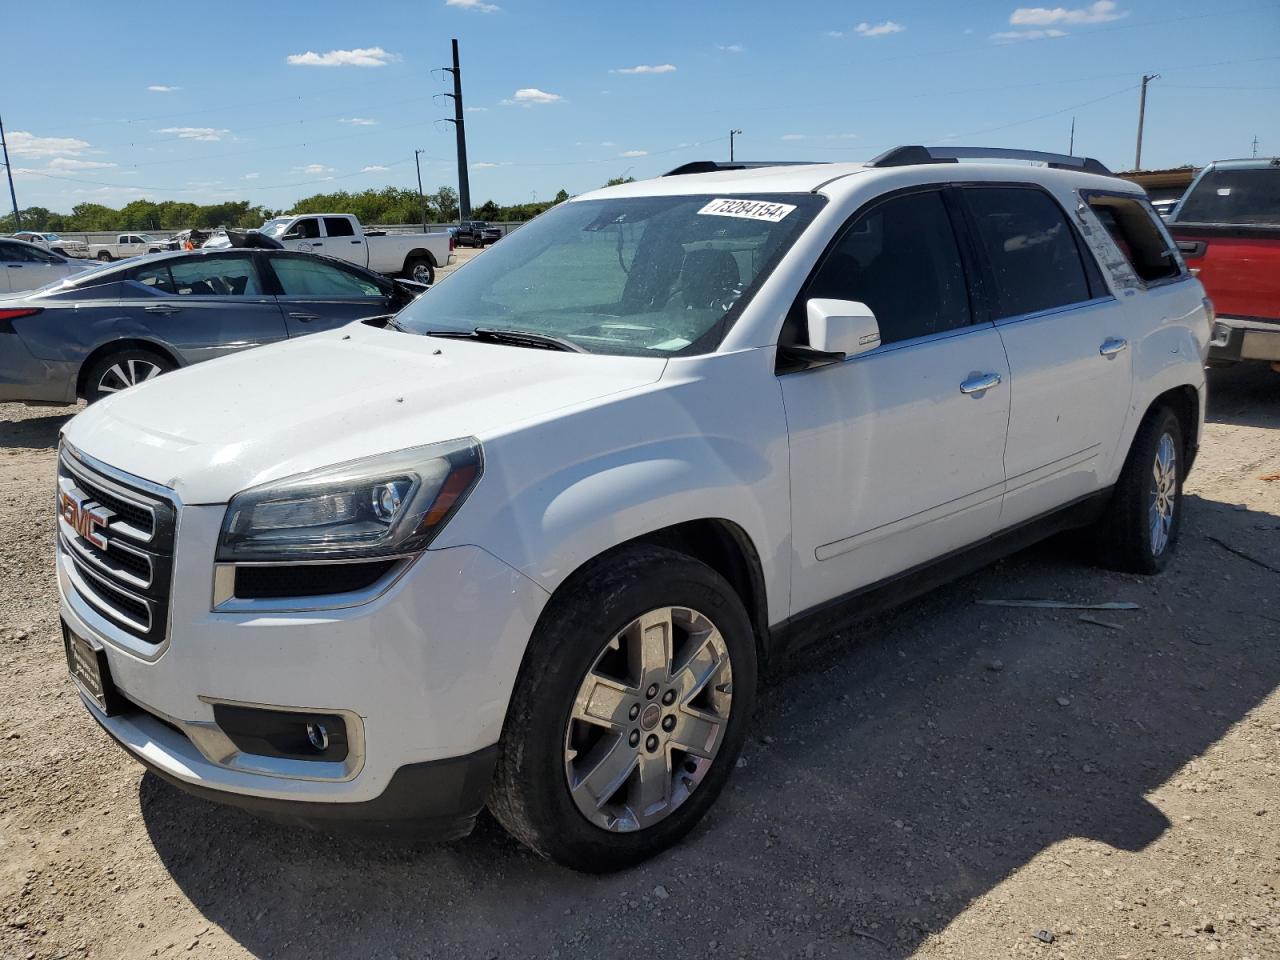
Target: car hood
(217,428)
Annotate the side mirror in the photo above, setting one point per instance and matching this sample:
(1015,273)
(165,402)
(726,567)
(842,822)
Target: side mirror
(842,327)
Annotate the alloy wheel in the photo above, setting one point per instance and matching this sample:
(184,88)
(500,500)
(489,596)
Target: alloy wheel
(126,373)
(1164,489)
(421,273)
(648,719)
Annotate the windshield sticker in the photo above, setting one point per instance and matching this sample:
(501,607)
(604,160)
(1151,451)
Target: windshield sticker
(747,209)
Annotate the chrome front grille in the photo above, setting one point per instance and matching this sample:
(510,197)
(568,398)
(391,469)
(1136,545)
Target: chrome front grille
(118,535)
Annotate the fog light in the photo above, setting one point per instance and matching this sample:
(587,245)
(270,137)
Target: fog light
(318,736)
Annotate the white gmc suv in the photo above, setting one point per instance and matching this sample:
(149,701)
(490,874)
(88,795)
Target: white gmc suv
(531,543)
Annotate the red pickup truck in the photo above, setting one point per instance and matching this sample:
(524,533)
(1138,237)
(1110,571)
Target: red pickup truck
(1227,227)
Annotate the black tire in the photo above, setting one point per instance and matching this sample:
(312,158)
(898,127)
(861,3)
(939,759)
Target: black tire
(417,267)
(530,794)
(104,256)
(1124,535)
(104,377)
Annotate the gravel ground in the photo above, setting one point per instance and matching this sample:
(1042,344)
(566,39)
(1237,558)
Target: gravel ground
(943,782)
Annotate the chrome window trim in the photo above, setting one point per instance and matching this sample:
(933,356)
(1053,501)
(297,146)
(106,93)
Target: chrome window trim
(1054,311)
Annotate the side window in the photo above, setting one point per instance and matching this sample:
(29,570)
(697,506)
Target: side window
(338,227)
(305,229)
(42,255)
(156,277)
(215,277)
(308,277)
(1138,236)
(1030,248)
(901,259)
(17,253)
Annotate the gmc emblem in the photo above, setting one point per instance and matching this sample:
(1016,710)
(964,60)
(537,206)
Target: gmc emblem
(85,517)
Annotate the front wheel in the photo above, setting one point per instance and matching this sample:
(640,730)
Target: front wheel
(419,269)
(104,256)
(1140,528)
(629,712)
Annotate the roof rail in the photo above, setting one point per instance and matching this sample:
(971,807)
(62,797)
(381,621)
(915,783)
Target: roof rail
(711,166)
(909,156)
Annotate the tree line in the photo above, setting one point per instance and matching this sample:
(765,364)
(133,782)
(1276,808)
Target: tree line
(388,205)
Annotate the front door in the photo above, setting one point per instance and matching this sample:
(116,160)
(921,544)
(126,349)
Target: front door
(896,454)
(1066,338)
(320,295)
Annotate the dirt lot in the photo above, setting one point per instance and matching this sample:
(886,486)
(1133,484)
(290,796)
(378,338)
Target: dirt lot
(943,782)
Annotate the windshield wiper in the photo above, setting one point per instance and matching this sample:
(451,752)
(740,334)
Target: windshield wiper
(518,338)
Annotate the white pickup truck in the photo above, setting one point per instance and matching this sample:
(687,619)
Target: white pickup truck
(129,245)
(412,255)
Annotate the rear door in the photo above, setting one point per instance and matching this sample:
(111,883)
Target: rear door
(206,305)
(1067,340)
(340,241)
(317,294)
(896,454)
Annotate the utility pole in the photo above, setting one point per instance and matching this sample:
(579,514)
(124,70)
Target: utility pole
(732,134)
(422,200)
(17,220)
(1071,150)
(1255,144)
(464,184)
(1142,113)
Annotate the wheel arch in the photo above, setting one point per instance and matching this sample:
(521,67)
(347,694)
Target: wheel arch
(1185,402)
(118,346)
(416,253)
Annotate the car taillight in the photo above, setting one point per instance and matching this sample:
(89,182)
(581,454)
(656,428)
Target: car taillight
(21,312)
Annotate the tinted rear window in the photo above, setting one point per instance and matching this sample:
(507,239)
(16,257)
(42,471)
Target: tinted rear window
(1233,196)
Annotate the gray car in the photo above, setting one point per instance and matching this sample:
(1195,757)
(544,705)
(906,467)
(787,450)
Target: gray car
(108,328)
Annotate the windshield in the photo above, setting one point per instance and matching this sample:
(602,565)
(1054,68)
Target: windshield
(51,236)
(273,228)
(1233,196)
(641,275)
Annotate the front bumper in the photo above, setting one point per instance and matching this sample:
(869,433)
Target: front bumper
(1235,339)
(422,674)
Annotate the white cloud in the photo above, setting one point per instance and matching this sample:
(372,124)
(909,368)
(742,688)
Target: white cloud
(251,176)
(1099,12)
(608,143)
(1013,36)
(69,163)
(314,169)
(647,68)
(835,34)
(24,144)
(483,165)
(359,121)
(878,29)
(162,88)
(360,57)
(374,168)
(528,96)
(794,136)
(478,5)
(731,48)
(632,154)
(477,109)
(194,133)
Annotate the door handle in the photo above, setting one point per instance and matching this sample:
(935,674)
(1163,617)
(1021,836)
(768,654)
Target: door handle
(161,308)
(1113,345)
(980,383)
(317,243)
(356,242)
(14,266)
(303,317)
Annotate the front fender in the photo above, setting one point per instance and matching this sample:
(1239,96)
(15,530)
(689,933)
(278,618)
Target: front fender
(557,494)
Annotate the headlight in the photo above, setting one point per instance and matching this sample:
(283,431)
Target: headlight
(388,505)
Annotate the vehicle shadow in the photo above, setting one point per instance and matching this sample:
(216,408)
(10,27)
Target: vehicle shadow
(896,772)
(1247,394)
(34,433)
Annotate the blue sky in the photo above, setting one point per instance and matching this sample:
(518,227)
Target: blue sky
(274,101)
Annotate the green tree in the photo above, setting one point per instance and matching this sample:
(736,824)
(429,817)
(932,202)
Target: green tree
(615,181)
(561,197)
(445,200)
